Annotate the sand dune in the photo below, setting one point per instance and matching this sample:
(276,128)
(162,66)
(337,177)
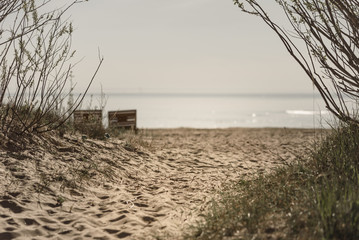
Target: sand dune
(139,187)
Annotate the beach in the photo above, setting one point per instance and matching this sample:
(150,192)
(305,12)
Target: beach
(145,186)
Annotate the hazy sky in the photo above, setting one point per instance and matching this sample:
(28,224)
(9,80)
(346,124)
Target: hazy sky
(181,46)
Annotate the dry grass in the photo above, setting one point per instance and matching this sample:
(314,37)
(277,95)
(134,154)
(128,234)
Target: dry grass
(133,140)
(315,198)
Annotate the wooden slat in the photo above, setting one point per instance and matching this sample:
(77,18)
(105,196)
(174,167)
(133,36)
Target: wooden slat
(123,119)
(88,116)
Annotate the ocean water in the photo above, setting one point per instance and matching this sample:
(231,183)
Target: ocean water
(217,110)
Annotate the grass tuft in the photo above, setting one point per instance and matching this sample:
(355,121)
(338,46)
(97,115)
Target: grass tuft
(315,198)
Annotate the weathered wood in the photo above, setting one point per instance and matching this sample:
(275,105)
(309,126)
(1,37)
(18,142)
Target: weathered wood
(88,117)
(126,119)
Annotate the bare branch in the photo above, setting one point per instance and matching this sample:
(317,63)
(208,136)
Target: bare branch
(329,30)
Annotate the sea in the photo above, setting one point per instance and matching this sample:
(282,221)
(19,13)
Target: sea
(204,110)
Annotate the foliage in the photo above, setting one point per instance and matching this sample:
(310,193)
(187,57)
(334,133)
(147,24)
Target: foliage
(337,196)
(92,129)
(329,30)
(314,199)
(35,50)
(134,140)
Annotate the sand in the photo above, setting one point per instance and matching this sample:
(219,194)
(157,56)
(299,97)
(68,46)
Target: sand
(138,187)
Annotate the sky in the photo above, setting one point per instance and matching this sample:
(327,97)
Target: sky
(182,46)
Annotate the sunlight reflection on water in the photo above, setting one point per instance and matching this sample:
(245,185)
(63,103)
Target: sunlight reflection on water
(220,111)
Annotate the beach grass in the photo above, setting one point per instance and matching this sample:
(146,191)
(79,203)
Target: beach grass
(316,197)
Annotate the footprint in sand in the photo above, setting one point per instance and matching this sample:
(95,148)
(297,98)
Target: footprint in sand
(12,206)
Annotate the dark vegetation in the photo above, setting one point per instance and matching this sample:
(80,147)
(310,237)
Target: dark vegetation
(318,196)
(35,61)
(314,198)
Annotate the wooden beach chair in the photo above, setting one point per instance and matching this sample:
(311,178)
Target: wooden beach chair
(85,120)
(88,117)
(126,119)
(89,122)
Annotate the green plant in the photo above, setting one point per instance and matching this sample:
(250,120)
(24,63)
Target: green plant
(92,129)
(315,198)
(60,200)
(338,206)
(35,48)
(338,189)
(340,153)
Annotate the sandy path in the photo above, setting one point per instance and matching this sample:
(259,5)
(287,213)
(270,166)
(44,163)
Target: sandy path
(132,194)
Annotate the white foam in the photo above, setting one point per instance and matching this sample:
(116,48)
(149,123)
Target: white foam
(306,112)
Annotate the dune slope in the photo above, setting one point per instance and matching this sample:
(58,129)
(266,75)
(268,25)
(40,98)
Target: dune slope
(138,187)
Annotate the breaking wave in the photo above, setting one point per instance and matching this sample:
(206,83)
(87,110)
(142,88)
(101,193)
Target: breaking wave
(306,112)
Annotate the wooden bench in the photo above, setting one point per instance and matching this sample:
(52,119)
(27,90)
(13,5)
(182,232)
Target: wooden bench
(88,117)
(126,119)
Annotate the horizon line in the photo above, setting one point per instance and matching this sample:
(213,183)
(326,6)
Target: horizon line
(208,94)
